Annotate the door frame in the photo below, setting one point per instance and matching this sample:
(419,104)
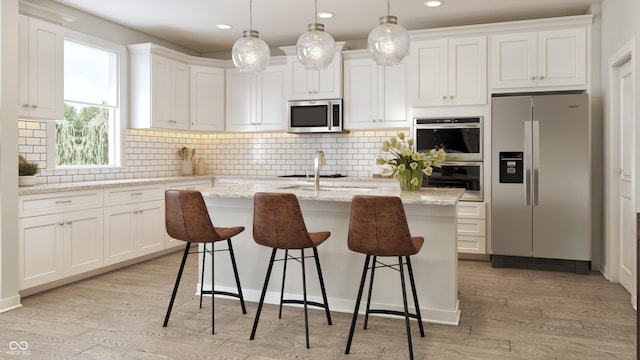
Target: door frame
(611,246)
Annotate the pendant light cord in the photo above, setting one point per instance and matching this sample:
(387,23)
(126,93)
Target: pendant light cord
(250,14)
(388,7)
(316,13)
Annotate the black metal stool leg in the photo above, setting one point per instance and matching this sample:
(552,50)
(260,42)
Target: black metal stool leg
(284,275)
(304,297)
(175,286)
(324,293)
(415,296)
(235,273)
(373,272)
(213,313)
(204,252)
(264,291)
(406,307)
(357,306)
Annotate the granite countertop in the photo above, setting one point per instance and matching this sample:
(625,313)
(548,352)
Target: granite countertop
(339,192)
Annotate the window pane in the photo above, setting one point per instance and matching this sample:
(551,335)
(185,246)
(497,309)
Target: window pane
(83,137)
(90,74)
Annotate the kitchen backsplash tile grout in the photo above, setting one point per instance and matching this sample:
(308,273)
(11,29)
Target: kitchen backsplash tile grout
(154,153)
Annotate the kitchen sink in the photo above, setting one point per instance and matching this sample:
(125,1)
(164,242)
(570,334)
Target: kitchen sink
(327,188)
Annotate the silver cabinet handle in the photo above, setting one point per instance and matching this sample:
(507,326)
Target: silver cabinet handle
(60,202)
(34,106)
(136,194)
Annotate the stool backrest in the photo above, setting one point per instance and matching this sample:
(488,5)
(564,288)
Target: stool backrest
(187,218)
(378,226)
(278,221)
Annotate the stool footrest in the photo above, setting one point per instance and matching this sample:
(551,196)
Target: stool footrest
(217,292)
(301,302)
(392,312)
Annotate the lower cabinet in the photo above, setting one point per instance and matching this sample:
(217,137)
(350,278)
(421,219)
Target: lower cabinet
(59,245)
(472,231)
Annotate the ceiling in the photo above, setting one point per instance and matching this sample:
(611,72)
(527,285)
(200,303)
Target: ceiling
(192,23)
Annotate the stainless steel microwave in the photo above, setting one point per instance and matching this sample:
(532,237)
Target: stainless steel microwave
(313,116)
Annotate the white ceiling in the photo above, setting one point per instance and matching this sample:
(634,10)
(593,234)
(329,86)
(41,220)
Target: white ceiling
(192,23)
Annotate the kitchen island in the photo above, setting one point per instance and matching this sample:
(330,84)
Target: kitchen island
(431,213)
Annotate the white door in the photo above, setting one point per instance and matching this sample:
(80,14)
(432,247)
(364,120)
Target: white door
(627,220)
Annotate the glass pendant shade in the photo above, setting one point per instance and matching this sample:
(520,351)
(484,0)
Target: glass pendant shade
(250,53)
(315,48)
(388,42)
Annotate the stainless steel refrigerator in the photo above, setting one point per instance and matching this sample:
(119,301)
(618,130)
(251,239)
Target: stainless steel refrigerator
(540,191)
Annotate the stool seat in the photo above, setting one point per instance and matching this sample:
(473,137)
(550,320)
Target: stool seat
(378,227)
(187,219)
(278,224)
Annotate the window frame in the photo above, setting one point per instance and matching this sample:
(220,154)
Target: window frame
(122,99)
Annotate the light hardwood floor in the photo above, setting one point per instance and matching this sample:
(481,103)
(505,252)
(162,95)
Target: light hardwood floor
(506,314)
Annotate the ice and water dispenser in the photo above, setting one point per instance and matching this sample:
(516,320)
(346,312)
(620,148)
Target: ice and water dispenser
(511,167)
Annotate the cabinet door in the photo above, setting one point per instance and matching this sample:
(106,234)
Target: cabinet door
(40,249)
(315,84)
(41,91)
(467,65)
(161,84)
(180,77)
(119,234)
(271,114)
(392,96)
(240,100)
(83,245)
(429,63)
(149,217)
(562,57)
(514,59)
(360,94)
(207,98)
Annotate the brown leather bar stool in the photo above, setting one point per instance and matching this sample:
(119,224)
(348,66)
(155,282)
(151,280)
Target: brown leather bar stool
(187,219)
(278,224)
(378,227)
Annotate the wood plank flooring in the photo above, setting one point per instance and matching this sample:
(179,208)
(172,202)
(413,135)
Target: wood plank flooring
(506,314)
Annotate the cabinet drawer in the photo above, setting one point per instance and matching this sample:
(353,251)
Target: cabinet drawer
(473,210)
(53,203)
(472,244)
(133,194)
(471,227)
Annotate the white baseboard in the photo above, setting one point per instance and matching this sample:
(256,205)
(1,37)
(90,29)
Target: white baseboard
(10,303)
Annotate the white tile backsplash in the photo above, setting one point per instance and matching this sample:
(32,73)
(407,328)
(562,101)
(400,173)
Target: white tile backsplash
(155,153)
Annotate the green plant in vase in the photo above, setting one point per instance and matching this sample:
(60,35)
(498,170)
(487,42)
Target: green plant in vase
(409,167)
(26,172)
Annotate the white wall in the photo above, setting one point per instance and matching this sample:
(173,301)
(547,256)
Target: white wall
(620,26)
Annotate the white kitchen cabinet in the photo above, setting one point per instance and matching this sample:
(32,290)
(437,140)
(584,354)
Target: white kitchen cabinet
(207,98)
(133,222)
(544,59)
(303,84)
(375,97)
(472,232)
(41,69)
(449,71)
(256,102)
(60,235)
(159,88)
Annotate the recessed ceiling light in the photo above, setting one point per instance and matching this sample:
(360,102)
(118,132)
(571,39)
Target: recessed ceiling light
(433,3)
(325,15)
(223,26)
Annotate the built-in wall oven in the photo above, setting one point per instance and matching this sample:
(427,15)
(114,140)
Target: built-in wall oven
(461,138)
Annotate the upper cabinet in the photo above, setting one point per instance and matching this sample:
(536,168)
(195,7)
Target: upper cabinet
(159,87)
(303,84)
(207,98)
(449,71)
(375,97)
(544,59)
(256,102)
(41,69)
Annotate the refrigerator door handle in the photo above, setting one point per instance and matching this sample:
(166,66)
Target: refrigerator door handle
(536,159)
(527,163)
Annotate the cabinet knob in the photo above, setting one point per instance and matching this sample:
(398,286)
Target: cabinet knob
(444,97)
(61,223)
(533,78)
(451,97)
(34,106)
(25,105)
(541,77)
(69,222)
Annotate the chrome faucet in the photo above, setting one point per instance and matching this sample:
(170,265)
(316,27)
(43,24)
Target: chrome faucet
(319,160)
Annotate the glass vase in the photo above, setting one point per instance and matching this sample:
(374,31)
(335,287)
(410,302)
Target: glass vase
(405,180)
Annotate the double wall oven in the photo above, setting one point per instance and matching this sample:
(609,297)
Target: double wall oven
(461,138)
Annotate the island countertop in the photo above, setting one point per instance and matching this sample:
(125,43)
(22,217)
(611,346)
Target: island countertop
(339,192)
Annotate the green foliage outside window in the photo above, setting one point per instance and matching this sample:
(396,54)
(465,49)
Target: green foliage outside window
(83,137)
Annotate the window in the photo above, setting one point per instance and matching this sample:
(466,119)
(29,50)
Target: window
(90,134)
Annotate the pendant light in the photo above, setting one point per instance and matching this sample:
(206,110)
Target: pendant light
(315,48)
(388,42)
(250,53)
